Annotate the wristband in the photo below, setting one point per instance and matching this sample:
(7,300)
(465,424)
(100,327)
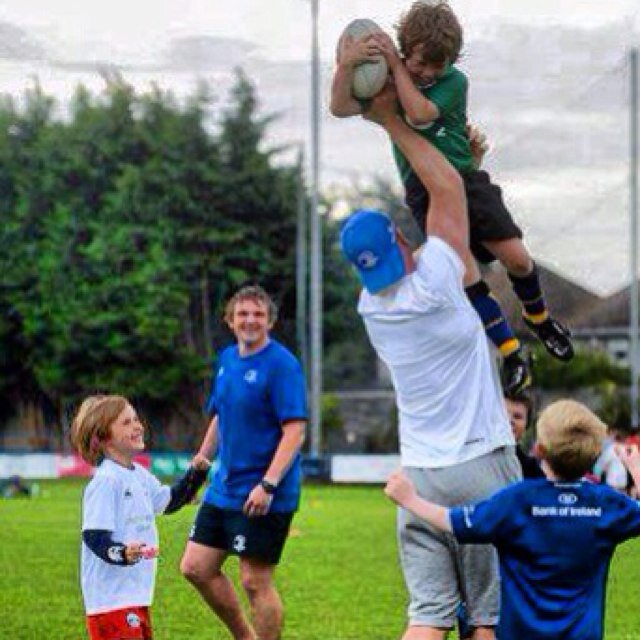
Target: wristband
(268,487)
(101,542)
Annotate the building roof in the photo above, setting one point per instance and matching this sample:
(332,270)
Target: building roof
(612,311)
(569,302)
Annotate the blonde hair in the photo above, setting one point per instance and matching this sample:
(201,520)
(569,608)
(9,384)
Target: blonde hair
(91,426)
(571,436)
(255,293)
(434,27)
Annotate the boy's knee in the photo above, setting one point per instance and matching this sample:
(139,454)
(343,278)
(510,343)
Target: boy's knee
(518,265)
(513,255)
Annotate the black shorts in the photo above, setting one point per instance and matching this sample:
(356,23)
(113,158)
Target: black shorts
(262,537)
(489,218)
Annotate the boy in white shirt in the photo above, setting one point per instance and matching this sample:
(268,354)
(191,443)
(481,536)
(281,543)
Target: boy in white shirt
(119,535)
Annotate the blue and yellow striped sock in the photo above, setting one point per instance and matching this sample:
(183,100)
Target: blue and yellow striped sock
(530,294)
(493,319)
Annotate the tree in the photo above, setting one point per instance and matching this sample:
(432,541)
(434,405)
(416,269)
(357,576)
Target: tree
(124,227)
(587,369)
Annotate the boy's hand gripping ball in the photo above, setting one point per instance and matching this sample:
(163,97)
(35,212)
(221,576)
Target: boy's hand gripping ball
(370,76)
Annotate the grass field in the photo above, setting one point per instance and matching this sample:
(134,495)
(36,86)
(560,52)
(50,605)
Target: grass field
(339,577)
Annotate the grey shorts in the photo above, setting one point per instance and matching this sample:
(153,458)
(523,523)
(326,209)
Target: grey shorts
(439,572)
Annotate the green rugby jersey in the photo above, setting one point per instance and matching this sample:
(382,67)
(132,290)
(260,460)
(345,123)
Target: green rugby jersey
(448,132)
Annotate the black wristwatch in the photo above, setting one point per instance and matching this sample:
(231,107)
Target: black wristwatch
(268,486)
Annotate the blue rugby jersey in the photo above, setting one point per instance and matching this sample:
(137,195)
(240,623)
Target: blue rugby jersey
(555,541)
(252,396)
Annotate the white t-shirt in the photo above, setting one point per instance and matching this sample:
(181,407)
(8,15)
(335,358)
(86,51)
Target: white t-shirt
(124,501)
(450,406)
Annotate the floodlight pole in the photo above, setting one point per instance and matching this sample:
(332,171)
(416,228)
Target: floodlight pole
(633,218)
(316,244)
(301,268)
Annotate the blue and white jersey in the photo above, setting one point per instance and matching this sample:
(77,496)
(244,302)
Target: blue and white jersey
(555,541)
(253,396)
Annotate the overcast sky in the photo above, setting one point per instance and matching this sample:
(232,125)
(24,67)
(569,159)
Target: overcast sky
(280,27)
(551,97)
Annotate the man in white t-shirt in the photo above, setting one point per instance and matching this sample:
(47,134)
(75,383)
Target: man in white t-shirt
(455,439)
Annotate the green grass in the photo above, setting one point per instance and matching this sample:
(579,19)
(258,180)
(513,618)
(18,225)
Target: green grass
(339,576)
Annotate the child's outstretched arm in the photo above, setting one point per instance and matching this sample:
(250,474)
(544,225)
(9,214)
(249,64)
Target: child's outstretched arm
(185,489)
(402,491)
(351,52)
(419,110)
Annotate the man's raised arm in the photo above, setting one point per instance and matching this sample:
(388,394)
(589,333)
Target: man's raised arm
(447,216)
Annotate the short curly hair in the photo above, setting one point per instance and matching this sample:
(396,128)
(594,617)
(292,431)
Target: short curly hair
(434,27)
(257,294)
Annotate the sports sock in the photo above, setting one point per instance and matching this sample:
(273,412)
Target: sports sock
(494,322)
(530,294)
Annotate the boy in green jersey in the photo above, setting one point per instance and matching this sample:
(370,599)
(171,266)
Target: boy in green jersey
(432,95)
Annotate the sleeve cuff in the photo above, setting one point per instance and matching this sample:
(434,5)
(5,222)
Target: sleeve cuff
(459,523)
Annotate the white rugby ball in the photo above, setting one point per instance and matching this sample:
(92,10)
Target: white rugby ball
(368,77)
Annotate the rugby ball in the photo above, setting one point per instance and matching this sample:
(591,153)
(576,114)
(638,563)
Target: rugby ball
(368,77)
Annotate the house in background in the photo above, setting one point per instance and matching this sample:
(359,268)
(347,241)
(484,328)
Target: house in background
(606,326)
(595,322)
(368,422)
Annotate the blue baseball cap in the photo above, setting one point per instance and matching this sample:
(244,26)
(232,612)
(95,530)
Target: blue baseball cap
(369,242)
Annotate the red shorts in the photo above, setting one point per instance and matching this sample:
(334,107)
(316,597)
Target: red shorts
(132,623)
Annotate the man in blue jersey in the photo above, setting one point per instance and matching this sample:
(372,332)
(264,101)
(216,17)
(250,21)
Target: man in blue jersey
(258,403)
(554,536)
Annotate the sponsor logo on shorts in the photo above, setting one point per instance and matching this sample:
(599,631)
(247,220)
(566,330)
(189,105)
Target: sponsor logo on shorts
(133,620)
(240,543)
(115,554)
